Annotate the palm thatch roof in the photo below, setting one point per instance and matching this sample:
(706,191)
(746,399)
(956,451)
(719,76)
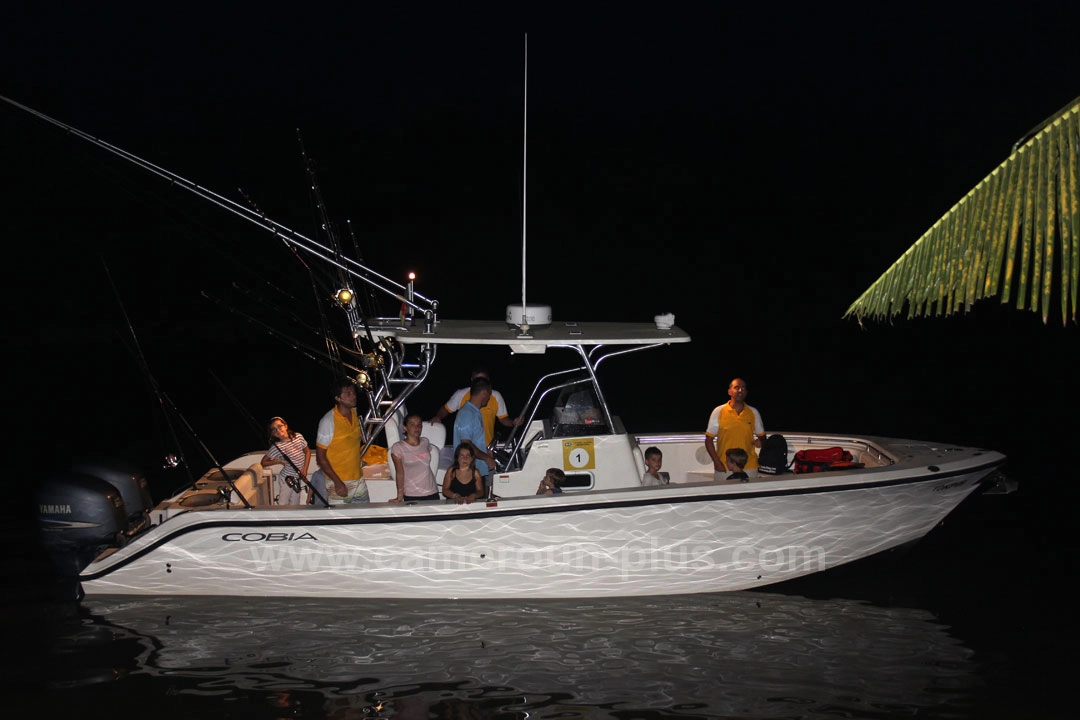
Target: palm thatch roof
(1016,234)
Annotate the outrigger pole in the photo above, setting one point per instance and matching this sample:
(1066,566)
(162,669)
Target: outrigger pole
(372,278)
(383,353)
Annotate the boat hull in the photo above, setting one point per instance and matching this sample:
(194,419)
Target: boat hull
(691,538)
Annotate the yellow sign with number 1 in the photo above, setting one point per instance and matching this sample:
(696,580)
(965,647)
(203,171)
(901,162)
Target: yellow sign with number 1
(578,455)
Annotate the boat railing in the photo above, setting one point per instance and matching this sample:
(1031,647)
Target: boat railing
(514,458)
(510,456)
(389,383)
(868,452)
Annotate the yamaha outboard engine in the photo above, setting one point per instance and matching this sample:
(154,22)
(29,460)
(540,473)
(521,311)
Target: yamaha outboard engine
(131,484)
(79,516)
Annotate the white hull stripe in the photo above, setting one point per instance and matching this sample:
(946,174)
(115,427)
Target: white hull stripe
(312,522)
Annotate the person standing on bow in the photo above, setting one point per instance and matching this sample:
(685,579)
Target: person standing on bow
(412,464)
(469,427)
(288,448)
(734,425)
(338,444)
(494,410)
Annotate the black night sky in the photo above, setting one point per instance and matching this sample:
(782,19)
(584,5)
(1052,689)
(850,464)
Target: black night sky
(752,170)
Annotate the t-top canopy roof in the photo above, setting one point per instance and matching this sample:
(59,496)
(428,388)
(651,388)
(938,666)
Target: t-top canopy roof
(498,332)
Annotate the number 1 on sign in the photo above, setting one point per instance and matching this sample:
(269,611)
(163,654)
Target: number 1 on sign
(579,455)
(579,458)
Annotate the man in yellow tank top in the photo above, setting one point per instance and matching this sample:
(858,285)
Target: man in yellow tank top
(337,447)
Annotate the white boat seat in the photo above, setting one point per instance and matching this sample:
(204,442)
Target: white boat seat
(392,430)
(393,433)
(434,432)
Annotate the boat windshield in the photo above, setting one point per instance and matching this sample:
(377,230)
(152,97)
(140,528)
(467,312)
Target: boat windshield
(577,412)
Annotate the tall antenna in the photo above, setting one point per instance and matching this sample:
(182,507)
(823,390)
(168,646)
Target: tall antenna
(524,195)
(523,317)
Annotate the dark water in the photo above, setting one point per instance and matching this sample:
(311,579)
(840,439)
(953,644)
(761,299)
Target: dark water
(972,622)
(744,654)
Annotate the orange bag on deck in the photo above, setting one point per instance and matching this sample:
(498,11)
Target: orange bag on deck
(376,463)
(376,455)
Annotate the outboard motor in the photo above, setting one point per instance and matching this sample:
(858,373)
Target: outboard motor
(79,516)
(131,484)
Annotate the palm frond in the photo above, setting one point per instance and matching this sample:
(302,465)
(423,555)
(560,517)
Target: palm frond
(1017,231)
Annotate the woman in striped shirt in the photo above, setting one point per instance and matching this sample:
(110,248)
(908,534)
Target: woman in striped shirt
(289,449)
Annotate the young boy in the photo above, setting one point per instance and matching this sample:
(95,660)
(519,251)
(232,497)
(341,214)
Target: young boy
(736,461)
(552,482)
(653,460)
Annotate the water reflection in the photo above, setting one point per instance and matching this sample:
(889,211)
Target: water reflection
(725,655)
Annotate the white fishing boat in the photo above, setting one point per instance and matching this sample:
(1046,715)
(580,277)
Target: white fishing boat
(605,535)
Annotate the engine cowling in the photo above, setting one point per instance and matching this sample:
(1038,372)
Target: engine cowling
(79,516)
(131,484)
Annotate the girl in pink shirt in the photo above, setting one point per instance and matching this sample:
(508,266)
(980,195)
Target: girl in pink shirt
(412,464)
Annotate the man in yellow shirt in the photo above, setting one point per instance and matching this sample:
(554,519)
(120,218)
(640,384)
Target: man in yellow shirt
(337,447)
(734,425)
(492,411)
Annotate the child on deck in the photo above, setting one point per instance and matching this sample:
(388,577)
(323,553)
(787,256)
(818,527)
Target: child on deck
(463,482)
(736,460)
(653,460)
(552,482)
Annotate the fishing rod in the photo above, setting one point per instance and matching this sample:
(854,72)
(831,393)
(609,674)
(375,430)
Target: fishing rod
(324,217)
(320,206)
(300,346)
(258,431)
(347,303)
(277,310)
(171,460)
(213,460)
(304,349)
(365,359)
(302,475)
(144,367)
(332,348)
(370,307)
(347,299)
(253,424)
(321,290)
(166,402)
(372,278)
